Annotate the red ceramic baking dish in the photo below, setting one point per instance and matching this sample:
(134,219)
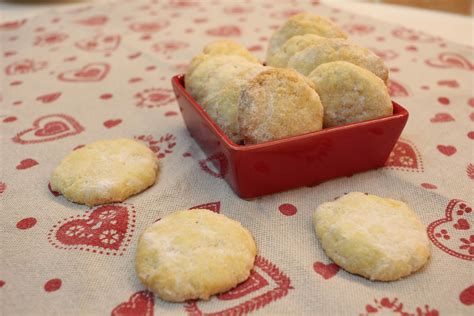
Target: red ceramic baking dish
(304,160)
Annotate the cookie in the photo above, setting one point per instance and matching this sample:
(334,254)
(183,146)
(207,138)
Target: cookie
(378,238)
(350,93)
(278,103)
(303,23)
(295,44)
(334,49)
(105,171)
(212,73)
(222,103)
(222,47)
(194,254)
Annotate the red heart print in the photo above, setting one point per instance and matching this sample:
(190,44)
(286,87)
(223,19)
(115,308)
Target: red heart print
(48,98)
(215,165)
(392,306)
(3,187)
(148,27)
(99,43)
(26,163)
(139,304)
(254,283)
(48,128)
(265,285)
(287,209)
(442,117)
(445,233)
(405,157)
(9,53)
(412,35)
(470,171)
(162,146)
(327,271)
(24,66)
(94,20)
(447,150)
(112,123)
(358,29)
(212,206)
(429,186)
(450,60)
(134,55)
(52,128)
(449,83)
(462,224)
(225,30)
(89,73)
(9,26)
(467,296)
(106,230)
(396,89)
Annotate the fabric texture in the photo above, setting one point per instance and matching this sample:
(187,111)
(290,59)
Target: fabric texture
(103,72)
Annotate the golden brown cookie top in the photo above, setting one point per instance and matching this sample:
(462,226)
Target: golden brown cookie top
(303,23)
(194,254)
(350,93)
(221,47)
(325,50)
(105,171)
(377,238)
(278,103)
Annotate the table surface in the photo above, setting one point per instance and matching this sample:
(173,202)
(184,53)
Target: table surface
(455,27)
(98,72)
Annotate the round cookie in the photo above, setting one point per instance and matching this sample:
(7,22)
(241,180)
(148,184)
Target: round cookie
(292,46)
(350,93)
(194,254)
(228,47)
(334,49)
(222,47)
(303,23)
(377,238)
(278,103)
(217,69)
(105,171)
(222,104)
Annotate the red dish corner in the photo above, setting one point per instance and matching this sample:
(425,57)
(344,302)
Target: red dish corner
(304,160)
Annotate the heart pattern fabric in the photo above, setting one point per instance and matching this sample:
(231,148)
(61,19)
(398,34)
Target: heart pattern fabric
(89,73)
(99,43)
(103,71)
(265,285)
(454,233)
(404,156)
(49,128)
(139,304)
(107,229)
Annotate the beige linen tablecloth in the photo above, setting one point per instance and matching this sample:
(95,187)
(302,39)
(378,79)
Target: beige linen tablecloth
(104,72)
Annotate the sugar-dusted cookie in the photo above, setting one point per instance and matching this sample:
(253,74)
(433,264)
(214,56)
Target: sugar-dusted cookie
(221,47)
(334,49)
(194,254)
(222,103)
(350,93)
(278,103)
(303,23)
(105,171)
(297,43)
(378,238)
(216,69)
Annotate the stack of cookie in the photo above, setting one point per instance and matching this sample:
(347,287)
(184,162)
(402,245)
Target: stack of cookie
(350,79)
(314,78)
(215,78)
